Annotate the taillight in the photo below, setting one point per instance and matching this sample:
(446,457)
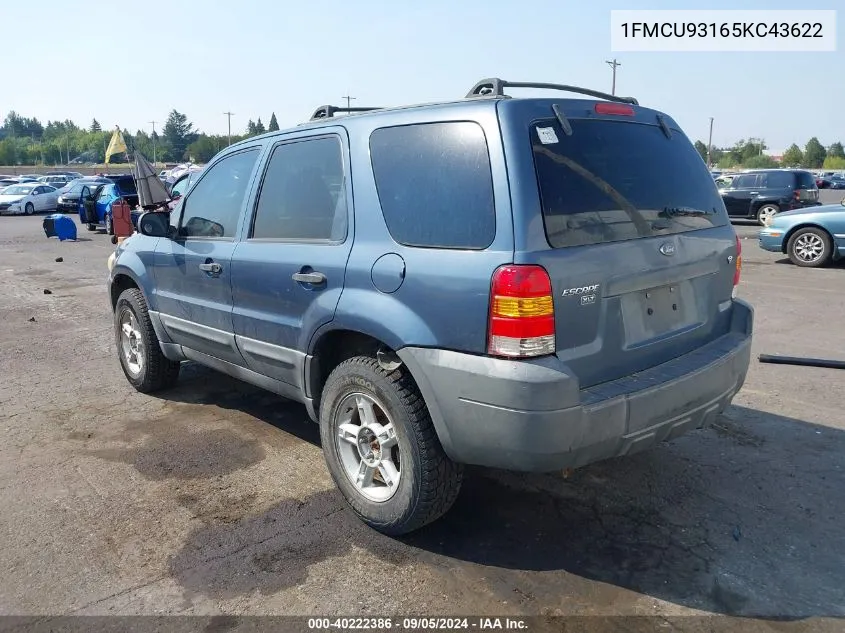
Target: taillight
(738,268)
(614,108)
(522,314)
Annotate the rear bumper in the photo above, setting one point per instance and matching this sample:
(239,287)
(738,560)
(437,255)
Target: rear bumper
(532,416)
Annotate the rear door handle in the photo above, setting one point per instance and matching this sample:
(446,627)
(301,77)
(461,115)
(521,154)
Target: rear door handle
(214,268)
(309,278)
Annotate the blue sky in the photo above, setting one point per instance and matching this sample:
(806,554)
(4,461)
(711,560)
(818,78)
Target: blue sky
(253,57)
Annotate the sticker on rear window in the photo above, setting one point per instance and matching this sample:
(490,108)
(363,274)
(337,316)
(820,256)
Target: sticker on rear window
(547,135)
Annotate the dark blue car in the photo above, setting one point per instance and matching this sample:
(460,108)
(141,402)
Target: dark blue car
(523,283)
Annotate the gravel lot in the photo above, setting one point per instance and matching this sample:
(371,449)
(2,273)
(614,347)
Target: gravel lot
(213,498)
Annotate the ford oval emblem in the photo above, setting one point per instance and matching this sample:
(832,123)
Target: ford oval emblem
(667,248)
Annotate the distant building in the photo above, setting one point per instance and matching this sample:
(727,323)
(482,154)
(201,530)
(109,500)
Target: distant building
(776,154)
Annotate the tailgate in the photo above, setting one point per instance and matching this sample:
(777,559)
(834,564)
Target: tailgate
(639,250)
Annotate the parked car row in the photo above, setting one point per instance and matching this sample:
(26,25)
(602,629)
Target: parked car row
(830,179)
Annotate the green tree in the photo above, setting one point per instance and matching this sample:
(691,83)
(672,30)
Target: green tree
(834,162)
(274,124)
(814,154)
(760,161)
(250,128)
(701,148)
(179,133)
(204,148)
(792,157)
(259,127)
(95,126)
(836,151)
(726,161)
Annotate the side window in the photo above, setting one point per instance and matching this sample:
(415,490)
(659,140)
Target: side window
(435,185)
(747,181)
(105,192)
(303,195)
(780,180)
(214,206)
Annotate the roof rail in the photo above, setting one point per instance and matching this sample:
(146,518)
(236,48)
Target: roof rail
(327,111)
(495,87)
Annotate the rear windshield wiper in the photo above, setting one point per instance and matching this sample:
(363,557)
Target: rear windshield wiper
(669,212)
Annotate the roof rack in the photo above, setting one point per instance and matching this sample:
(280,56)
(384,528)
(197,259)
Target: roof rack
(328,111)
(495,87)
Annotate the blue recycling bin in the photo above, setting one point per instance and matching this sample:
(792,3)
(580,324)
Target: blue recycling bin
(61,226)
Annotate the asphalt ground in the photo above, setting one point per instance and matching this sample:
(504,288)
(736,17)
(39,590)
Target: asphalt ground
(213,498)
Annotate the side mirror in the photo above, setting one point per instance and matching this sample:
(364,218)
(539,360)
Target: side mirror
(842,202)
(154,224)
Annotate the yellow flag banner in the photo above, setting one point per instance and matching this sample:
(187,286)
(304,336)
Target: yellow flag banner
(117,145)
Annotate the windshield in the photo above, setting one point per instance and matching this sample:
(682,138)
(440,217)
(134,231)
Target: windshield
(17,190)
(611,181)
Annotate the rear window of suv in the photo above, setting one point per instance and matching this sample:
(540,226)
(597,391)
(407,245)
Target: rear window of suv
(611,181)
(435,184)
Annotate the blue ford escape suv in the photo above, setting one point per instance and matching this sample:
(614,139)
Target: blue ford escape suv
(522,283)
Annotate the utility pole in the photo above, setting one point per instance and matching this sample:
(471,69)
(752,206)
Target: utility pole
(710,144)
(613,65)
(349,100)
(154,142)
(229,114)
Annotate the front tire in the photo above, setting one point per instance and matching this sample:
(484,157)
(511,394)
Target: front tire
(92,227)
(766,213)
(143,363)
(29,209)
(382,450)
(809,247)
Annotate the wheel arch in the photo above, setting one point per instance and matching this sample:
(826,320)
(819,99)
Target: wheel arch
(804,225)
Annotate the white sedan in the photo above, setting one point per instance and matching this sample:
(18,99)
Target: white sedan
(28,198)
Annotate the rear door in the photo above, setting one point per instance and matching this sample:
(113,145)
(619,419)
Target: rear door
(628,222)
(288,274)
(738,197)
(193,271)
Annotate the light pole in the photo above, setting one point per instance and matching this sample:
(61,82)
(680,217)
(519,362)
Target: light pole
(154,142)
(613,64)
(710,145)
(229,115)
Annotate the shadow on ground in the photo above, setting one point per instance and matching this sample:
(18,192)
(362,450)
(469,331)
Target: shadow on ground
(744,518)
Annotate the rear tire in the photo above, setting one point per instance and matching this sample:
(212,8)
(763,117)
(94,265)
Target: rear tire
(766,213)
(143,363)
(809,247)
(382,416)
(92,227)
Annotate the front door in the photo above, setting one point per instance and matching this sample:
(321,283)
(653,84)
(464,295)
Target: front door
(193,270)
(288,272)
(88,205)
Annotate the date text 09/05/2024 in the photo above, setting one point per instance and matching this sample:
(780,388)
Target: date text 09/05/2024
(416,623)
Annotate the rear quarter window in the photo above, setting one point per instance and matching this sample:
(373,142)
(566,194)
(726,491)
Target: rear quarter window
(435,185)
(778,180)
